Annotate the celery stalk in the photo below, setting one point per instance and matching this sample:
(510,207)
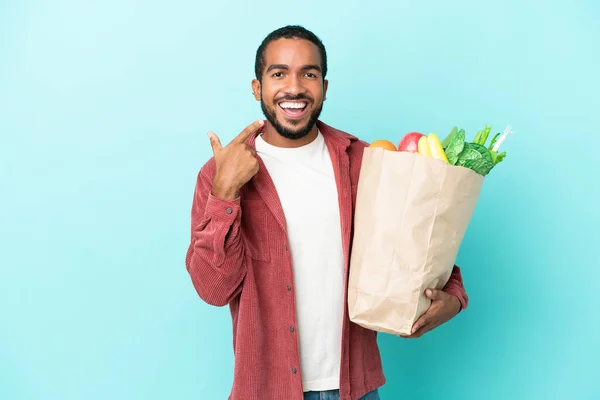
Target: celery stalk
(484,136)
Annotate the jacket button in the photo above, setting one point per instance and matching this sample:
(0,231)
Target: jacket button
(285,247)
(292,329)
(289,288)
(229,210)
(294,370)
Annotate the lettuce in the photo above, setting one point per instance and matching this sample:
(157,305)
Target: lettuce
(474,155)
(455,146)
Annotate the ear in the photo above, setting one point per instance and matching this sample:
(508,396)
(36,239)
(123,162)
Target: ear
(325,86)
(256,89)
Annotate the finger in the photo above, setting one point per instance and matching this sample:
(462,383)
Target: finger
(411,336)
(251,150)
(426,317)
(423,330)
(422,321)
(248,131)
(405,336)
(214,142)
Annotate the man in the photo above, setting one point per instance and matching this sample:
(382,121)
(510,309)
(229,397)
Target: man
(271,238)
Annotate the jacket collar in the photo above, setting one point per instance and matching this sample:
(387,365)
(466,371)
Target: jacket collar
(337,142)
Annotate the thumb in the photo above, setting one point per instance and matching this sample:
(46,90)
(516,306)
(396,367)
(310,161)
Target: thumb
(434,294)
(214,141)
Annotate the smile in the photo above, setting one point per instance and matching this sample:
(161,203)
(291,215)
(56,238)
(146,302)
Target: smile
(294,109)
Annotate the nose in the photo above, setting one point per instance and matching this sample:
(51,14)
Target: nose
(295,85)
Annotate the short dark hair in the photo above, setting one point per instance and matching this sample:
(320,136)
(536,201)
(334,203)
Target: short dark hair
(288,32)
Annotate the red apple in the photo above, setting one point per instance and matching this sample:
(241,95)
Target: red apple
(410,142)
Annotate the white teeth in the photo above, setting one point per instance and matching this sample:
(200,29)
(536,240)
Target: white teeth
(292,105)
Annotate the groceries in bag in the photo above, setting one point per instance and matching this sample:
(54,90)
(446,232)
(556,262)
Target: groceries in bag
(413,206)
(454,149)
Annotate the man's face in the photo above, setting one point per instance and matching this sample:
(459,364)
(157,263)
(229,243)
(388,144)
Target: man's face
(292,89)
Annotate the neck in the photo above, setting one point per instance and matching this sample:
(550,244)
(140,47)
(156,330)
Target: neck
(271,136)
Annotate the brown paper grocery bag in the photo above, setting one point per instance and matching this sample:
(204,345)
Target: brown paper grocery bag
(411,215)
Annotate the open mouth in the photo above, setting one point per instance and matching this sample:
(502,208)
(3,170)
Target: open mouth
(294,109)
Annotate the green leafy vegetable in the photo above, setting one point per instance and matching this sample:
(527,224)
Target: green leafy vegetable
(449,138)
(482,150)
(455,147)
(479,165)
(469,152)
(475,155)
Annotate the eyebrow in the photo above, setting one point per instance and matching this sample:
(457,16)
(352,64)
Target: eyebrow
(283,66)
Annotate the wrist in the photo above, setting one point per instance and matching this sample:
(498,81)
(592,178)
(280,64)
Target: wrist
(223,190)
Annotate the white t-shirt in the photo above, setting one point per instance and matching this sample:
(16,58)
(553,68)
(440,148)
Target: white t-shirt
(306,186)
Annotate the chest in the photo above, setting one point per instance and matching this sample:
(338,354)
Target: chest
(280,197)
(307,191)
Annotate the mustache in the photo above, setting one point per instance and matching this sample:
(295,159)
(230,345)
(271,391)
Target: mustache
(293,98)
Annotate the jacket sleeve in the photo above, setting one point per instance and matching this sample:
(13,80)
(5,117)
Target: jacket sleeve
(456,287)
(215,257)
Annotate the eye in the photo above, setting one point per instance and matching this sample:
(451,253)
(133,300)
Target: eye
(277,75)
(310,75)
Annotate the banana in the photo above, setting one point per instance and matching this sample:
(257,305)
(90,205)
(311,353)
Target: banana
(436,147)
(424,147)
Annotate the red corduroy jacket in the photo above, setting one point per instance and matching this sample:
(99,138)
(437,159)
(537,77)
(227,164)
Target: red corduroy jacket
(239,256)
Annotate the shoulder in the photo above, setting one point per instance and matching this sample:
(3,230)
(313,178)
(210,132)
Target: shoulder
(354,143)
(354,146)
(357,148)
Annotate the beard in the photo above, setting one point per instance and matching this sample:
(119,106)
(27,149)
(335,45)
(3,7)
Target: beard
(290,133)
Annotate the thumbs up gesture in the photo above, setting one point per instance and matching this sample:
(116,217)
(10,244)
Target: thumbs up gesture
(236,163)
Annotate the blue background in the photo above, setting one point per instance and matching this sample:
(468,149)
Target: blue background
(104,109)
